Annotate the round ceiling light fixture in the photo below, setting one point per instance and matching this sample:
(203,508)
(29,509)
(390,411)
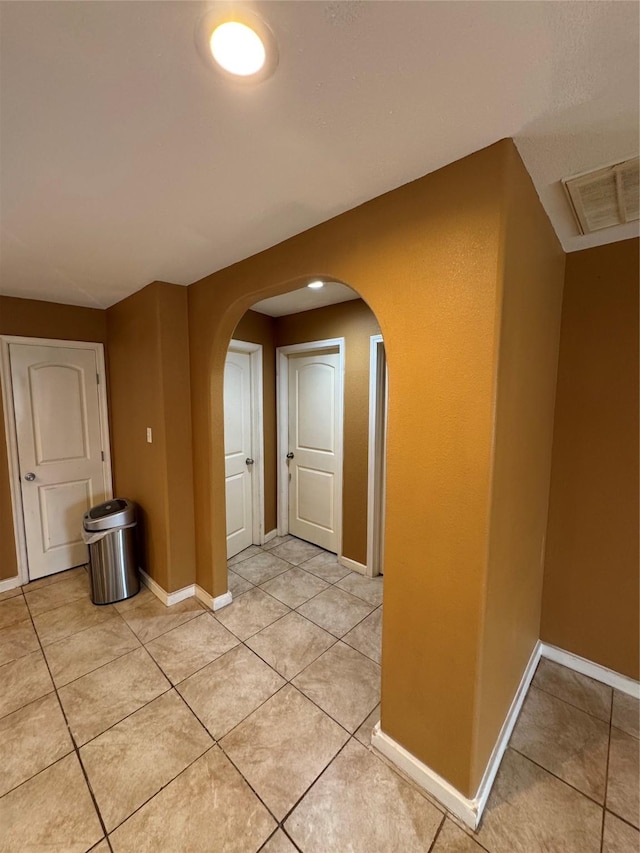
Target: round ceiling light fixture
(239,46)
(315,285)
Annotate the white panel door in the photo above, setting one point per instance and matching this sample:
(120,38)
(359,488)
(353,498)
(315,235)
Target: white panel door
(59,436)
(237,450)
(314,432)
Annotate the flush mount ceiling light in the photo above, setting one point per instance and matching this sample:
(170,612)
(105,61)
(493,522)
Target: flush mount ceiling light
(315,285)
(240,46)
(237,48)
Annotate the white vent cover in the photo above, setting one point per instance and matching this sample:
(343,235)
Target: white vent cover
(605,197)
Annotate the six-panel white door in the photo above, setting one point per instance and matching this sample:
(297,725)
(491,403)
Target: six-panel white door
(314,426)
(237,449)
(59,438)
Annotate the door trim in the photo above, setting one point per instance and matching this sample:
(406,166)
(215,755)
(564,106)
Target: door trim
(12,438)
(377,454)
(282,429)
(257,435)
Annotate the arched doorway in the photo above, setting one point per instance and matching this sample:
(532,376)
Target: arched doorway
(302,605)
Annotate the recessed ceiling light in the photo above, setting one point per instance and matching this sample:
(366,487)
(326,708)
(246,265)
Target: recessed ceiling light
(316,285)
(237,48)
(240,47)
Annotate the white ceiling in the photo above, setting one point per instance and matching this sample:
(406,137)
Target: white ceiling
(125,159)
(305,299)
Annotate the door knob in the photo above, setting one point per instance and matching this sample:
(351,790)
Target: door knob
(249,461)
(289,455)
(30,477)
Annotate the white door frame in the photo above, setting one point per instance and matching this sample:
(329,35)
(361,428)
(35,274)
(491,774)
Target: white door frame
(378,391)
(282,408)
(257,436)
(12,438)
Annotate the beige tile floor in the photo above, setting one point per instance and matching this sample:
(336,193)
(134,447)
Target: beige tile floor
(137,727)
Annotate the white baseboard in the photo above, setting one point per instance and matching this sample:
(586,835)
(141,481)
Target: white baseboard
(221,601)
(493,765)
(10,583)
(170,598)
(348,563)
(165,597)
(209,601)
(269,536)
(469,811)
(203,596)
(425,777)
(591,669)
(152,586)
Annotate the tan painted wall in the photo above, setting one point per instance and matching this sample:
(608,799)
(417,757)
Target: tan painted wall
(257,328)
(355,322)
(531,298)
(425,258)
(590,601)
(34,319)
(149,369)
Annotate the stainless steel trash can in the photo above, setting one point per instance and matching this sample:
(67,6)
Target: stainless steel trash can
(109,530)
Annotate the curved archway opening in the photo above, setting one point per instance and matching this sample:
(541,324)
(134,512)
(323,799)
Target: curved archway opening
(304,401)
(329,484)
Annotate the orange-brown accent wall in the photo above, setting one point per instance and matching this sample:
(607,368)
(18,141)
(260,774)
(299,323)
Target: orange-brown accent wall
(590,602)
(355,322)
(428,260)
(32,318)
(530,291)
(149,368)
(257,328)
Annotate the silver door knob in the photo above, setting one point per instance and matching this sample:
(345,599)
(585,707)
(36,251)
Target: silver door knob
(289,455)
(30,477)
(249,461)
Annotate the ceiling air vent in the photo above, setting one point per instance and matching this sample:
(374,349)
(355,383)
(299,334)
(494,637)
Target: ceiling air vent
(605,197)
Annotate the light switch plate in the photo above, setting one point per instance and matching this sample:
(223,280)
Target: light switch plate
(149,436)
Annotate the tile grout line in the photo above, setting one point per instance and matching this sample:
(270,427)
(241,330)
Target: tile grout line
(466,830)
(571,704)
(141,644)
(76,749)
(174,686)
(437,835)
(308,571)
(166,785)
(551,694)
(623,819)
(102,665)
(317,779)
(272,837)
(216,742)
(144,705)
(606,775)
(76,634)
(288,682)
(296,610)
(555,776)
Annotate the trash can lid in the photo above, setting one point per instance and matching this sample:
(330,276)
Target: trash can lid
(114,513)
